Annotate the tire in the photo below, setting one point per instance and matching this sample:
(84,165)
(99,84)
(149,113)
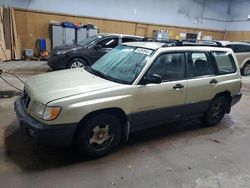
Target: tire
(216,111)
(99,135)
(77,63)
(246,69)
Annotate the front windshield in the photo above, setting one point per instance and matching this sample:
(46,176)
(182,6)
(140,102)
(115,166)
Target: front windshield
(90,40)
(122,64)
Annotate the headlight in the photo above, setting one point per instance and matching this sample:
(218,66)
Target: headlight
(46,112)
(60,52)
(38,109)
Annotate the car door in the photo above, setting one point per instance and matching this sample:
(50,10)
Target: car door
(156,103)
(201,82)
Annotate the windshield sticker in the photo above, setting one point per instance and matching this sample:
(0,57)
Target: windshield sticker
(143,51)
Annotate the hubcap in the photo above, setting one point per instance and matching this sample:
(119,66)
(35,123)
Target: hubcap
(101,137)
(77,64)
(247,69)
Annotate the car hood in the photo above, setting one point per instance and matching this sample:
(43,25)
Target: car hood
(51,86)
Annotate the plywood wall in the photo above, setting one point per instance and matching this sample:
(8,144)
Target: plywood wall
(237,35)
(32,25)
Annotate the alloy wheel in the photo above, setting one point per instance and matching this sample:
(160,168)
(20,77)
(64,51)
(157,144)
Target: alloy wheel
(246,69)
(217,111)
(77,64)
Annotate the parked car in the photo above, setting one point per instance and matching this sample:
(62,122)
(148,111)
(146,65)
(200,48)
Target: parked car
(88,51)
(242,52)
(135,86)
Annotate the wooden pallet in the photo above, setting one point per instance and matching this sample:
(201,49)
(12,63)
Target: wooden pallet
(36,59)
(3,54)
(15,39)
(10,45)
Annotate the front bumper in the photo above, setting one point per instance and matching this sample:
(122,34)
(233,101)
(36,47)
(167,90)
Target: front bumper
(55,135)
(57,62)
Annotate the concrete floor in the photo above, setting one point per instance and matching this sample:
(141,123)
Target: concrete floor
(177,155)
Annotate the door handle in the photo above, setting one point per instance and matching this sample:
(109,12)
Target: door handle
(178,86)
(213,82)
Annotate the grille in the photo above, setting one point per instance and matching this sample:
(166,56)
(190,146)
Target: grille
(26,99)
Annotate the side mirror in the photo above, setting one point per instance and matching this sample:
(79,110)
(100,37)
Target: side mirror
(97,47)
(153,79)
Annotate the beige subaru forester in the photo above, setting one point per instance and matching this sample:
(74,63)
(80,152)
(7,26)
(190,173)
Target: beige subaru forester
(133,87)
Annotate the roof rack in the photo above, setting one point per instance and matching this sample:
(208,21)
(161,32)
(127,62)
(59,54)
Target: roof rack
(172,42)
(199,43)
(167,42)
(209,42)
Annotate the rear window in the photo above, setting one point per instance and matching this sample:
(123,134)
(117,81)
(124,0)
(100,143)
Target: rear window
(127,39)
(225,62)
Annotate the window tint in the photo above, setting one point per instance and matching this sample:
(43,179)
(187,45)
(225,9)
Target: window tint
(240,48)
(169,66)
(128,40)
(109,42)
(199,64)
(225,62)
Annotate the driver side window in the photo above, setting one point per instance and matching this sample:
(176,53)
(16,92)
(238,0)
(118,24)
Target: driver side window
(169,66)
(108,42)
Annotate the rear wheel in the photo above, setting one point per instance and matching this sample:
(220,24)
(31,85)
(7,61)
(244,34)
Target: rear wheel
(77,63)
(246,69)
(99,136)
(215,112)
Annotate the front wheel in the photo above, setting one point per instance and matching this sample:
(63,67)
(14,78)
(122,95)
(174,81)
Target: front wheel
(99,136)
(215,112)
(246,69)
(77,63)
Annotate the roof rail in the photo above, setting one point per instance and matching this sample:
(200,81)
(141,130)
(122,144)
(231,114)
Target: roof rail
(209,42)
(173,42)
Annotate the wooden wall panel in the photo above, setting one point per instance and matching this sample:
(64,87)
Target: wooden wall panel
(32,25)
(141,30)
(175,31)
(216,35)
(237,35)
(118,27)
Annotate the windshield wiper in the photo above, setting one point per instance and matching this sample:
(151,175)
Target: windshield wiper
(102,75)
(97,73)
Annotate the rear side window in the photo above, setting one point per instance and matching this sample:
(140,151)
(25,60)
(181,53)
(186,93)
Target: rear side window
(199,64)
(225,62)
(127,39)
(240,48)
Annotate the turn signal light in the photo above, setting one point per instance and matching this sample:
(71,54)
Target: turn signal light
(51,113)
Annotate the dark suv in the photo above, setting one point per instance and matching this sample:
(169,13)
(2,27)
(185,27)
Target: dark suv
(88,51)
